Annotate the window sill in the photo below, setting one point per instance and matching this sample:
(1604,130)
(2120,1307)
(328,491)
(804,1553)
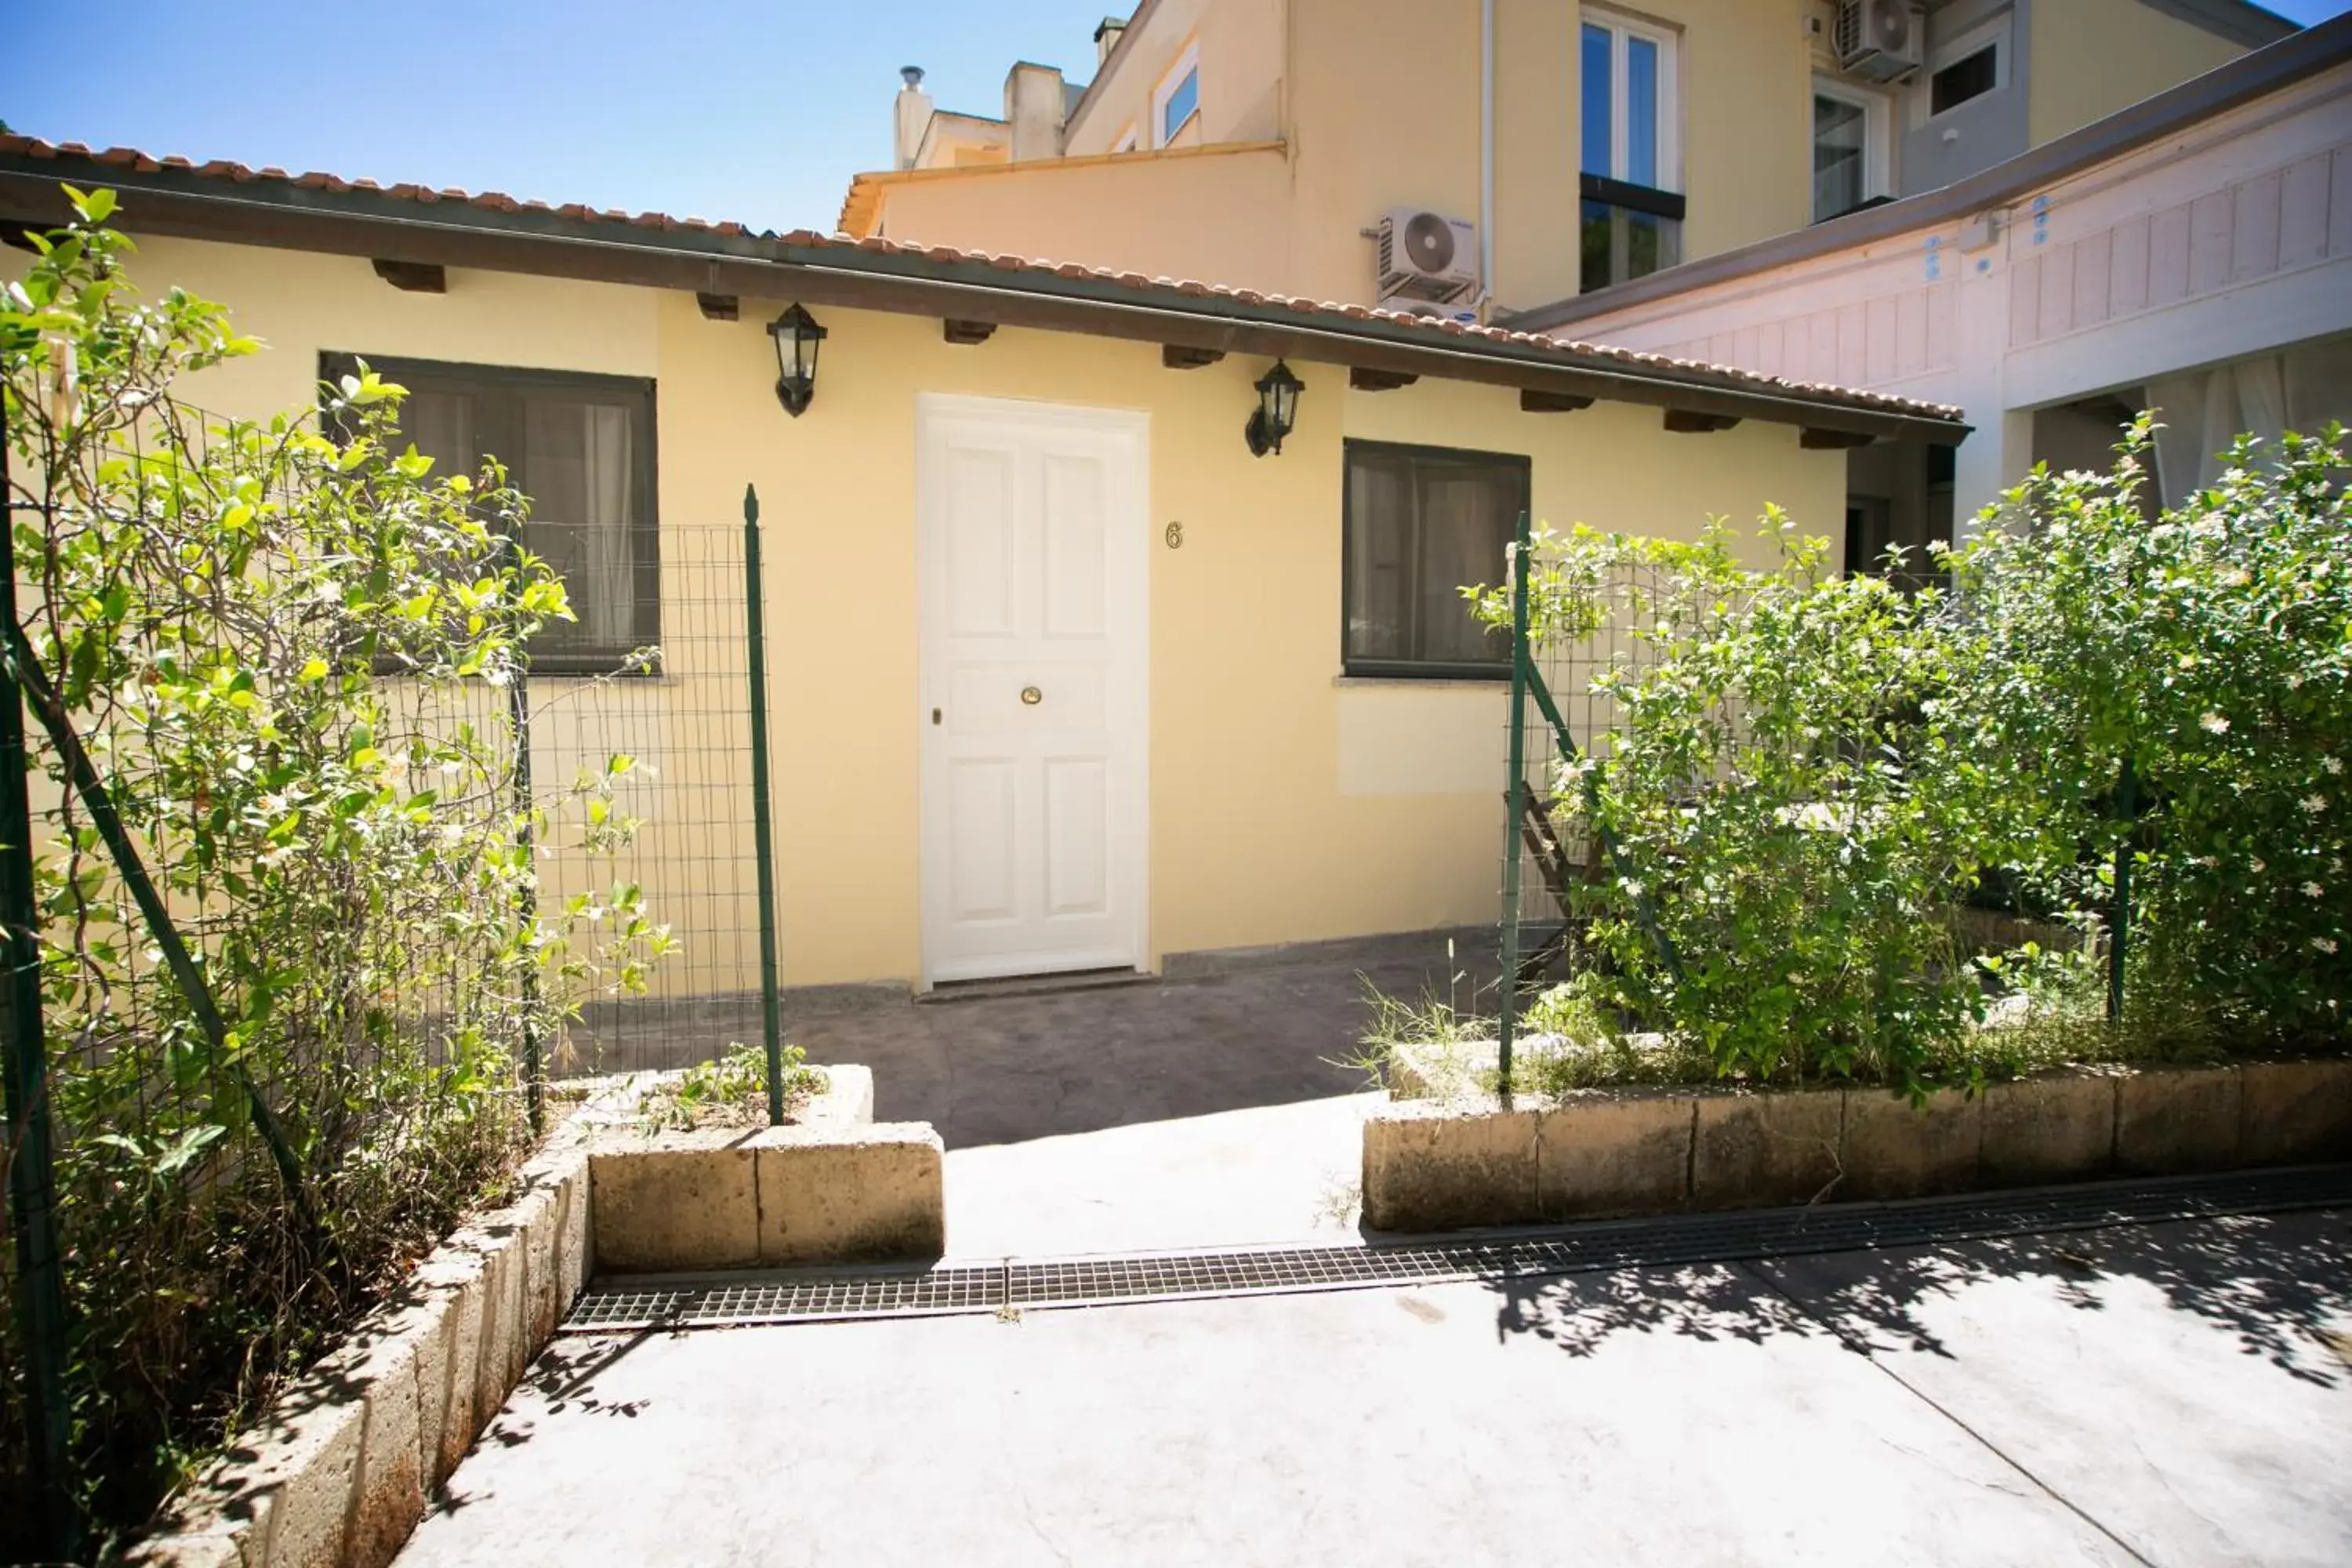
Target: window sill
(1426,682)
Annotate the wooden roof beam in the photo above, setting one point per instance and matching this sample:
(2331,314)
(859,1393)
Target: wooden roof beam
(1818,440)
(412,276)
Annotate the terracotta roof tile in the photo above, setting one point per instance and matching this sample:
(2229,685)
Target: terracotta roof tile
(1185,289)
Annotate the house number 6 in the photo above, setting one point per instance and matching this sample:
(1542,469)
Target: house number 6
(1175,536)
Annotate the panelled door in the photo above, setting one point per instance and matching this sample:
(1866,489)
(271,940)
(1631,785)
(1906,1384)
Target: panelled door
(1032,560)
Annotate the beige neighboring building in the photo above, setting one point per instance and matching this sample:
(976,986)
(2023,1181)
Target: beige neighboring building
(1073,662)
(1546,148)
(2192,254)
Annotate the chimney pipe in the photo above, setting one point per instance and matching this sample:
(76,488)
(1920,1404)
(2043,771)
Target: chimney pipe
(910,117)
(1107,36)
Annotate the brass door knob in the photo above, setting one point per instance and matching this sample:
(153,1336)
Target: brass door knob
(1031,697)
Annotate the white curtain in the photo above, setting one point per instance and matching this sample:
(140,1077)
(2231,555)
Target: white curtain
(580,470)
(612,575)
(2204,411)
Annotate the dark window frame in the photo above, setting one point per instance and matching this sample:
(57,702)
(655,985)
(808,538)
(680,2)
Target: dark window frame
(1990,53)
(1411,668)
(638,394)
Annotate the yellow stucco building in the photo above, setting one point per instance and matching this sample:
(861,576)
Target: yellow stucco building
(1263,142)
(1065,671)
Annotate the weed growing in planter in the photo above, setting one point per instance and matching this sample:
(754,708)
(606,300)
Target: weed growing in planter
(730,1093)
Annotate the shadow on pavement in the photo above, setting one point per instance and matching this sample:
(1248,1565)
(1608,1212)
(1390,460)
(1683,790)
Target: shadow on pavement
(2271,1281)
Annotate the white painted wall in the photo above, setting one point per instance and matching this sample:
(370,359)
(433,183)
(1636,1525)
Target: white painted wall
(2230,238)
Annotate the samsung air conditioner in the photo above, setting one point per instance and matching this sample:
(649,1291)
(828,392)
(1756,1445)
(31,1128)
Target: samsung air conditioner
(1427,255)
(1880,39)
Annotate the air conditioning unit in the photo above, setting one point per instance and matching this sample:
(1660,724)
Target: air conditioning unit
(1427,255)
(1880,39)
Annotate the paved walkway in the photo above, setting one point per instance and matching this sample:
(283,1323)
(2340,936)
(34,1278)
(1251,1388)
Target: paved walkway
(1007,1069)
(2168,1394)
(1190,1112)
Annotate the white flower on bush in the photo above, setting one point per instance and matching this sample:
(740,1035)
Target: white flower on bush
(2315,803)
(2213,723)
(1817,816)
(2331,764)
(2256,866)
(2324,943)
(2312,889)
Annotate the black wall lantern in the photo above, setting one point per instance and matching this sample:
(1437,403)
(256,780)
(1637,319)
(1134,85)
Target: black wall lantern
(797,336)
(1277,409)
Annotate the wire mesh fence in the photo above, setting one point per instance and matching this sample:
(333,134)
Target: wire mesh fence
(1565,712)
(291,973)
(1588,626)
(680,718)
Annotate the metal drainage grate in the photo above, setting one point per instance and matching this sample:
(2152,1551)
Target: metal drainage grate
(728,1300)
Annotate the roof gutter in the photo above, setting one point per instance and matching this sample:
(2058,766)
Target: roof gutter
(765,267)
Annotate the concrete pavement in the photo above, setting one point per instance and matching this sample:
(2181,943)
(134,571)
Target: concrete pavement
(2171,1395)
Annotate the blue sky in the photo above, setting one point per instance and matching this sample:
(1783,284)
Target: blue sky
(753,109)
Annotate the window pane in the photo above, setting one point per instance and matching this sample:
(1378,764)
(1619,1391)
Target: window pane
(1466,518)
(1599,102)
(440,425)
(1963,80)
(1642,111)
(1379,535)
(1597,272)
(580,470)
(1651,244)
(1839,129)
(1181,103)
(1422,527)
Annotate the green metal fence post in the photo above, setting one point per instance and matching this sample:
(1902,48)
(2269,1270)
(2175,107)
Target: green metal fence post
(763,829)
(534,1065)
(2119,910)
(28,1144)
(1515,795)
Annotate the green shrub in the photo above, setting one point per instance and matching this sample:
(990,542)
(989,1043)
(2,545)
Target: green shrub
(1780,874)
(289,652)
(2177,691)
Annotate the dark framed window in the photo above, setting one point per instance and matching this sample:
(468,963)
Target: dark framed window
(581,448)
(1418,524)
(1972,76)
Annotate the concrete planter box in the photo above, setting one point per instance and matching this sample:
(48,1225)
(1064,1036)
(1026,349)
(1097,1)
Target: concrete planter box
(1446,1164)
(780,1195)
(340,1471)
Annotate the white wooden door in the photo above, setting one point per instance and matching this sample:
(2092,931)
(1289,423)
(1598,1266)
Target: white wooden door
(1033,558)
